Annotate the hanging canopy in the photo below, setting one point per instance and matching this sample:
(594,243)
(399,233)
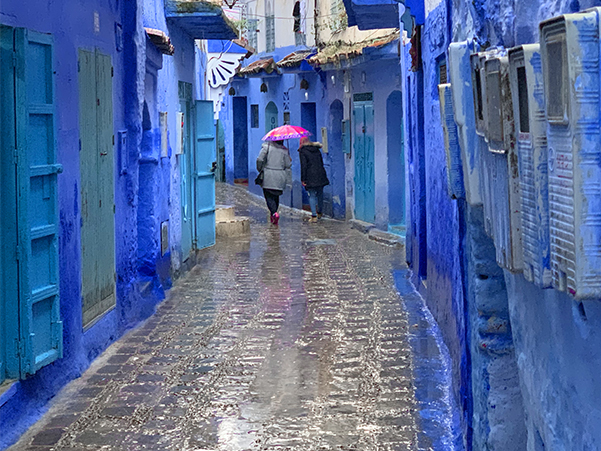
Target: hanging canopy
(200,19)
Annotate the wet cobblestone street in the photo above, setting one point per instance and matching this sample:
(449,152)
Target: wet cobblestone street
(292,339)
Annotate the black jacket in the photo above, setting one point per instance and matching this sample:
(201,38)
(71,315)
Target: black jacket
(313,174)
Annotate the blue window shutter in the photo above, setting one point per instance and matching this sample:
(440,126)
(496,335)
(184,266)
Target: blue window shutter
(204,175)
(96,163)
(105,228)
(41,333)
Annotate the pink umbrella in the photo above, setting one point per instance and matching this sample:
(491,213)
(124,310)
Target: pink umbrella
(286,132)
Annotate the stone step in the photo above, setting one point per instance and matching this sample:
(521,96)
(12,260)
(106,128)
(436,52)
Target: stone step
(386,238)
(224,213)
(233,227)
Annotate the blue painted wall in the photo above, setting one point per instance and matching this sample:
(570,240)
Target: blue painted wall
(381,78)
(146,194)
(523,358)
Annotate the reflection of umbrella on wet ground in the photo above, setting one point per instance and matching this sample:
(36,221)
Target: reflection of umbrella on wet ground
(286,132)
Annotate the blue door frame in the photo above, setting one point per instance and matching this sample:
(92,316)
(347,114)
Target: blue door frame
(204,174)
(185,163)
(363,136)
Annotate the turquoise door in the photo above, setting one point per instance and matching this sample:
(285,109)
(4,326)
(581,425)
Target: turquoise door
(96,161)
(363,138)
(204,174)
(185,162)
(32,330)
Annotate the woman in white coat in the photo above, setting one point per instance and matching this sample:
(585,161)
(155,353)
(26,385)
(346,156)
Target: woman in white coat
(275,163)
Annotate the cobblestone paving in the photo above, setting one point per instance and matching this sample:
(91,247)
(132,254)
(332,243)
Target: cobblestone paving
(294,339)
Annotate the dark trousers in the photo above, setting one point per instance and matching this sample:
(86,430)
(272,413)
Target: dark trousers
(316,200)
(272,199)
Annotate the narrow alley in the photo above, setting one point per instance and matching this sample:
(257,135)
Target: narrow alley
(295,338)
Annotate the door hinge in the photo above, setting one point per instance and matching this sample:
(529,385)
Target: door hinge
(18,252)
(113,140)
(20,347)
(112,71)
(80,145)
(78,66)
(16,156)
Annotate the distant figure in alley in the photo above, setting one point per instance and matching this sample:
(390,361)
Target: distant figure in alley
(275,164)
(313,175)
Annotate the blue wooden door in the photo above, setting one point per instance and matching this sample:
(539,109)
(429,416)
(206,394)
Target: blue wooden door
(204,174)
(363,138)
(9,288)
(37,202)
(97,188)
(185,162)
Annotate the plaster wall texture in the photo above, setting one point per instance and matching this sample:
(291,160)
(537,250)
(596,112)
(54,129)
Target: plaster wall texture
(557,345)
(72,27)
(465,292)
(530,378)
(148,189)
(185,66)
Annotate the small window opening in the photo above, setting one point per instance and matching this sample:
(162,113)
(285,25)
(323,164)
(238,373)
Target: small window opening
(495,117)
(254,116)
(478,94)
(557,95)
(523,100)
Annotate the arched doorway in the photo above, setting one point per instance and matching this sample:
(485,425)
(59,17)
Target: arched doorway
(271,117)
(396,163)
(336,160)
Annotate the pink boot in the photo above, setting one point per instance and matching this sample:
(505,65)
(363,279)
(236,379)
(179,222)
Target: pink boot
(276,218)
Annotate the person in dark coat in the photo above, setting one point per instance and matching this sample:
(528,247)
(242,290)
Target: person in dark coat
(275,163)
(313,175)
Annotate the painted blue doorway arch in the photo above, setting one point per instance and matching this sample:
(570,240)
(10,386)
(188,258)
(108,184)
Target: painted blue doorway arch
(336,159)
(271,117)
(396,163)
(363,136)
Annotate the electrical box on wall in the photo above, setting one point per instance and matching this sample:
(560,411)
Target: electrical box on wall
(478,84)
(504,183)
(451,143)
(526,78)
(463,111)
(179,133)
(570,54)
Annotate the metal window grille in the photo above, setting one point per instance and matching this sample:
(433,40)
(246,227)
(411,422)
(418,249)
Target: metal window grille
(252,32)
(270,33)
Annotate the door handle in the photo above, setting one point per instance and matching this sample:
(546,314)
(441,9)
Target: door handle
(103,154)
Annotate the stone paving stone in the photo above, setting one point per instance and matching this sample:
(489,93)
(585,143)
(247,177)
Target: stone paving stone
(293,338)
